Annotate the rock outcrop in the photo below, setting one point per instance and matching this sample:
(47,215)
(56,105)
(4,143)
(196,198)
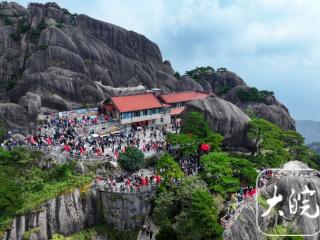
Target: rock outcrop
(227,85)
(73,212)
(244,226)
(271,109)
(223,117)
(44,49)
(126,211)
(68,60)
(66,214)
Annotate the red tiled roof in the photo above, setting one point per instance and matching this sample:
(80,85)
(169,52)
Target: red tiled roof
(182,96)
(136,102)
(176,111)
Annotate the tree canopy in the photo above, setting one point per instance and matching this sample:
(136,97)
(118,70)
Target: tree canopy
(187,211)
(275,146)
(197,128)
(24,186)
(200,72)
(132,159)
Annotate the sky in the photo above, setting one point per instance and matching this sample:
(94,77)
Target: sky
(271,44)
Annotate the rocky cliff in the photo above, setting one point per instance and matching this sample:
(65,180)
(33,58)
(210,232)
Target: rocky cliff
(229,86)
(66,214)
(73,212)
(51,58)
(68,59)
(223,117)
(244,226)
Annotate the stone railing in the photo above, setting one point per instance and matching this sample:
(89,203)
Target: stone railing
(126,190)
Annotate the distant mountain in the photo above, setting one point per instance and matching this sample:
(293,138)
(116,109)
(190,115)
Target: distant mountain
(309,129)
(315,146)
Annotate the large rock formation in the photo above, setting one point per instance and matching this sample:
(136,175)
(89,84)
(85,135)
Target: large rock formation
(270,108)
(68,60)
(66,214)
(46,50)
(227,85)
(126,211)
(223,117)
(244,226)
(73,212)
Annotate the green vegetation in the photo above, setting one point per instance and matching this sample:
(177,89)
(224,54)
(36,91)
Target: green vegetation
(132,159)
(187,211)
(224,89)
(200,73)
(7,21)
(169,168)
(197,127)
(253,95)
(275,146)
(23,27)
(3,129)
(100,230)
(27,234)
(283,230)
(223,173)
(24,186)
(34,33)
(43,46)
(177,75)
(59,25)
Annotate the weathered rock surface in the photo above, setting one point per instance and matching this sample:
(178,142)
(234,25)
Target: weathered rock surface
(73,212)
(65,214)
(68,59)
(244,226)
(44,49)
(227,84)
(223,117)
(126,211)
(272,110)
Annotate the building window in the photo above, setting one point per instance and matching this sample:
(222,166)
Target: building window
(126,115)
(161,120)
(136,114)
(145,112)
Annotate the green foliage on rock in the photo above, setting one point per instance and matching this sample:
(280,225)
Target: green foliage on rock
(275,146)
(177,75)
(253,95)
(197,127)
(200,72)
(100,231)
(24,186)
(3,129)
(189,209)
(132,159)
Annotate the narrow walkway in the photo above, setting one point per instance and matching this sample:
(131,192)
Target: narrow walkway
(143,235)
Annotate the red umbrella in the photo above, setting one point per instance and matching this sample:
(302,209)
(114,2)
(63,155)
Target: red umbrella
(205,147)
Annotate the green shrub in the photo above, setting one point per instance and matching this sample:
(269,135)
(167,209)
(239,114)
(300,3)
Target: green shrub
(59,25)
(24,186)
(43,46)
(200,73)
(253,95)
(7,21)
(132,159)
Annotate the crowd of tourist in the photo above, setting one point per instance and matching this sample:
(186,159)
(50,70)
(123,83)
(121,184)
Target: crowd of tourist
(190,164)
(128,183)
(62,134)
(245,194)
